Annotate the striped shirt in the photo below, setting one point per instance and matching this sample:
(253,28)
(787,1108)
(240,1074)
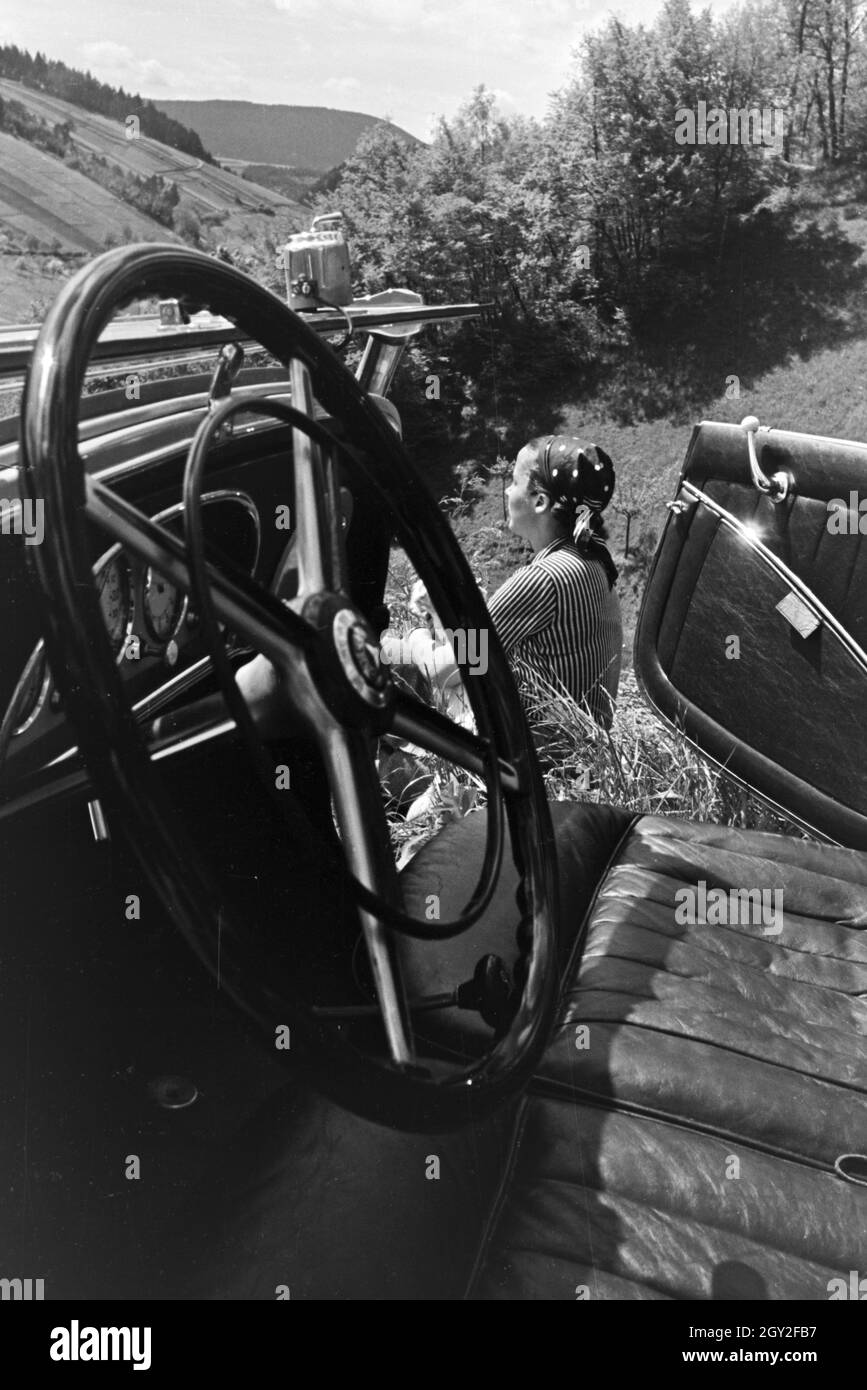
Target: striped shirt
(560,626)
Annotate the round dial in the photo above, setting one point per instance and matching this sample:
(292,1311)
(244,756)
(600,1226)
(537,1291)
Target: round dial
(163,606)
(114,589)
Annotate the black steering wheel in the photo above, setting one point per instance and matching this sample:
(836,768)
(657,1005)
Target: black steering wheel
(326,669)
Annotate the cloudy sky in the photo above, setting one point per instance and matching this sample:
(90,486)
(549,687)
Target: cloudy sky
(409,59)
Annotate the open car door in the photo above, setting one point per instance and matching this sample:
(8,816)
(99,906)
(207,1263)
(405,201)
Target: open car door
(753,631)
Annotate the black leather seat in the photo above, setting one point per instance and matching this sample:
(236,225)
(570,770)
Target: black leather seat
(679,1140)
(684,1145)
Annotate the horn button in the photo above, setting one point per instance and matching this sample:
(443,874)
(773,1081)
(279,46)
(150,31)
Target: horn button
(349,674)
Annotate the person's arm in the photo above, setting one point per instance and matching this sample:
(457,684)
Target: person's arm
(525,604)
(435,658)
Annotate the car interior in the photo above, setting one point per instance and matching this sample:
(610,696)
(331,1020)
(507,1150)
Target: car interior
(243,1058)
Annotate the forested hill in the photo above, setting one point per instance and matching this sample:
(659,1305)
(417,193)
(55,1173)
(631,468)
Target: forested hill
(308,137)
(81,89)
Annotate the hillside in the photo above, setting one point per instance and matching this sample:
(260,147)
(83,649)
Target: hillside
(301,137)
(282,178)
(46,206)
(52,215)
(205,188)
(82,89)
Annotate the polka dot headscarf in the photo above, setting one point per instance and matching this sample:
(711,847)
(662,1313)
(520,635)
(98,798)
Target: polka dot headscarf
(579,478)
(577,474)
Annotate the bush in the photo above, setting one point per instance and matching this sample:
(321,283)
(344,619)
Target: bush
(187,224)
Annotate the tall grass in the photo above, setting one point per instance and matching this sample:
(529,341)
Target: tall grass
(640,763)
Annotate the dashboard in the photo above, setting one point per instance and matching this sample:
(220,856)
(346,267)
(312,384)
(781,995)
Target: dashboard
(154,631)
(145,615)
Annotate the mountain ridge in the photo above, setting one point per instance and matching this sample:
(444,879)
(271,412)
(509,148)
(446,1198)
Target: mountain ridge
(310,137)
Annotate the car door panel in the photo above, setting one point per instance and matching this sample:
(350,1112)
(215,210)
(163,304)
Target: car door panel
(776,695)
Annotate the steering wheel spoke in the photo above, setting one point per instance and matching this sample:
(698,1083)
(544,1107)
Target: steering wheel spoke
(318,541)
(318,660)
(419,723)
(269,625)
(357,799)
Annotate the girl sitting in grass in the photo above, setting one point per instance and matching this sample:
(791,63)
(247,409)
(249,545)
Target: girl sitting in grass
(558,618)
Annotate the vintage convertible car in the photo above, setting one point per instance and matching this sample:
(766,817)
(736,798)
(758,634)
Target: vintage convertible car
(566,1053)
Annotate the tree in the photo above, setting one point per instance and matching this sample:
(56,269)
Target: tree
(830,30)
(188,225)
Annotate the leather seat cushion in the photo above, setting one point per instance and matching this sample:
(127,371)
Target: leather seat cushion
(682,1145)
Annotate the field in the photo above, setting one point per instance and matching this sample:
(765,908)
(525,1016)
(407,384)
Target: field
(45,204)
(42,198)
(206,188)
(52,216)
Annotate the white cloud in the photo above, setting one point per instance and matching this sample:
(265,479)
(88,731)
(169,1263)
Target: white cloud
(386,14)
(505,101)
(480,14)
(106,51)
(149,75)
(115,62)
(428,35)
(200,77)
(341,86)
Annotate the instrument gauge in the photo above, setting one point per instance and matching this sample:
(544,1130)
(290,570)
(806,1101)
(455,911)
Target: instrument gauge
(115,599)
(164,606)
